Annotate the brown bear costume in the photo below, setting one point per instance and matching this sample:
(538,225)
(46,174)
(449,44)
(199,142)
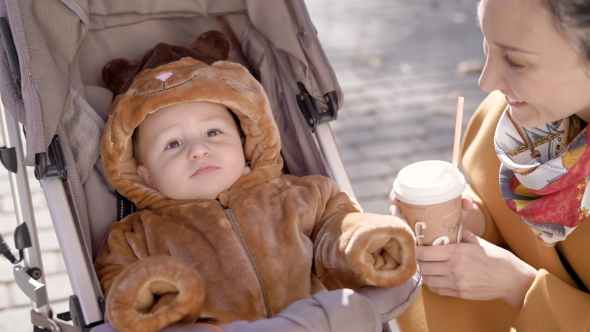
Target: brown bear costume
(266,242)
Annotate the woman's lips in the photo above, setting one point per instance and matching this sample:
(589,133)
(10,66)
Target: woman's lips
(205,169)
(514,103)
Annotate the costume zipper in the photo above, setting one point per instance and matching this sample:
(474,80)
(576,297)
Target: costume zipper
(234,224)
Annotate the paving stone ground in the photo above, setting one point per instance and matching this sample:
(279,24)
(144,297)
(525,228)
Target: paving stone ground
(397,62)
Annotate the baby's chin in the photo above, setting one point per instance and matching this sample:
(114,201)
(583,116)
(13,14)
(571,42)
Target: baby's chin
(193,195)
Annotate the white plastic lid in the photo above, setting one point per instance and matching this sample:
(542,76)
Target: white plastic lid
(428,182)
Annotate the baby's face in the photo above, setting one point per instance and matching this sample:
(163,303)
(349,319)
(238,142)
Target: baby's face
(190,150)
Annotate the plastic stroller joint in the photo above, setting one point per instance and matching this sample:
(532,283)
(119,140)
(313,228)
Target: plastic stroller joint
(77,317)
(22,237)
(22,240)
(10,55)
(57,166)
(8,158)
(313,114)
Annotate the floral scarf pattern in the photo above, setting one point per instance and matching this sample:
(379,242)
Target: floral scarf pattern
(544,174)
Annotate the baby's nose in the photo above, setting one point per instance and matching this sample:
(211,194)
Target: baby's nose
(199,150)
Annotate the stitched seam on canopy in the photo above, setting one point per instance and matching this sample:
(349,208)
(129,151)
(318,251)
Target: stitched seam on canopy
(79,11)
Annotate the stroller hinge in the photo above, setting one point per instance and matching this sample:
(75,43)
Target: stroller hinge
(58,166)
(77,316)
(31,287)
(8,158)
(312,112)
(10,55)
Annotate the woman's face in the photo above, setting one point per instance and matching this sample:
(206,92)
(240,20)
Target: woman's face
(537,68)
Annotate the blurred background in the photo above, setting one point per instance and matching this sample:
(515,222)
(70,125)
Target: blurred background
(401,63)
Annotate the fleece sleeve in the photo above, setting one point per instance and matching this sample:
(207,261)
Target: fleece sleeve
(124,245)
(145,293)
(552,305)
(354,249)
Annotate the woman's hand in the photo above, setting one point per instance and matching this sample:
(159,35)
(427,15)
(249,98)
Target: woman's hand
(475,270)
(472,216)
(395,210)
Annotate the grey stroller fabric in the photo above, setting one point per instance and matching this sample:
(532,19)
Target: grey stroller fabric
(323,312)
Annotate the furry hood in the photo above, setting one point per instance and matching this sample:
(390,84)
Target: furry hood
(199,73)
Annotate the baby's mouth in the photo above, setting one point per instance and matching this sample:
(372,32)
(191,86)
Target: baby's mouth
(204,170)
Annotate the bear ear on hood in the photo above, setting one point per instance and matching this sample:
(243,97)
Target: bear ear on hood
(117,72)
(211,46)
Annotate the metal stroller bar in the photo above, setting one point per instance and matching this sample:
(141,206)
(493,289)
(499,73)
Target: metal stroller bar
(327,144)
(23,207)
(78,266)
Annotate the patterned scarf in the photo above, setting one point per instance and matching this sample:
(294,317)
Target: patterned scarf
(544,174)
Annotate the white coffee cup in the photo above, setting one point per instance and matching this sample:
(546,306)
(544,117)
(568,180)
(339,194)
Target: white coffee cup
(430,199)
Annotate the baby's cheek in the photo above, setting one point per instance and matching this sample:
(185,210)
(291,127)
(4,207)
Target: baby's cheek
(169,180)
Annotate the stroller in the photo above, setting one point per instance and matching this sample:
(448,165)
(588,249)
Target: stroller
(50,82)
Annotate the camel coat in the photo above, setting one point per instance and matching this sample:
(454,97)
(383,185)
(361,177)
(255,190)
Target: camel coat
(268,241)
(555,301)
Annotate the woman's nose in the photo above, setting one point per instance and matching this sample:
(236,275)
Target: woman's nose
(492,76)
(198,150)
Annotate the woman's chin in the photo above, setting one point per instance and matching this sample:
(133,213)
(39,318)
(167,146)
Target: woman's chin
(524,117)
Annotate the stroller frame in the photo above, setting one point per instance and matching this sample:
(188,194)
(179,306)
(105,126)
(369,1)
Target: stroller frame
(87,302)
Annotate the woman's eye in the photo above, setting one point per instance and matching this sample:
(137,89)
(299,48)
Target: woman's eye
(173,145)
(213,132)
(511,64)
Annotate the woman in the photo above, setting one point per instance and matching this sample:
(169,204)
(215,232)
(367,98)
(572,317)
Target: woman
(532,275)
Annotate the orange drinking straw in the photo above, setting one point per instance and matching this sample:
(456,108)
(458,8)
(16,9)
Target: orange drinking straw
(457,143)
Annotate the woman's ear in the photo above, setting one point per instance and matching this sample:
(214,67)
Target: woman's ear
(144,174)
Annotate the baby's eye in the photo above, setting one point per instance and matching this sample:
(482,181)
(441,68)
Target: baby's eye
(213,132)
(173,145)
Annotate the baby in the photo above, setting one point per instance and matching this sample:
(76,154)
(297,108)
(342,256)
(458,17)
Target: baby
(222,234)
